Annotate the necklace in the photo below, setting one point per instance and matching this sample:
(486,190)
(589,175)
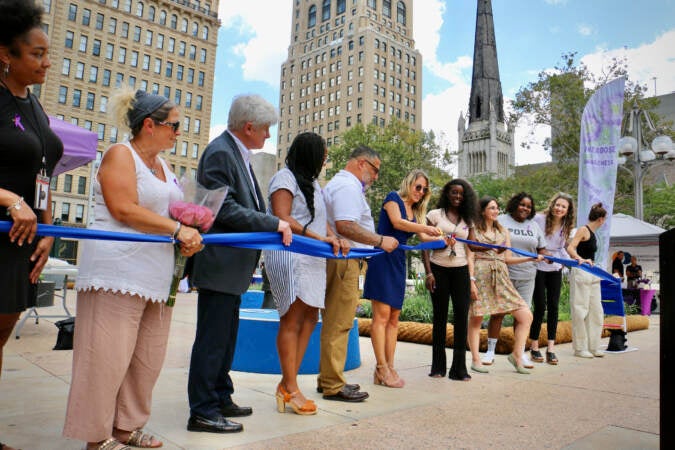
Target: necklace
(141,153)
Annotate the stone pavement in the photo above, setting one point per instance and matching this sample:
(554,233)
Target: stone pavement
(611,402)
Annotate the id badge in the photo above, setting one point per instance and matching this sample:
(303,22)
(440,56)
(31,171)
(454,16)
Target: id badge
(41,192)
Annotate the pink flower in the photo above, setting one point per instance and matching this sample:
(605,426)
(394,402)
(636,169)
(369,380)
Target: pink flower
(192,215)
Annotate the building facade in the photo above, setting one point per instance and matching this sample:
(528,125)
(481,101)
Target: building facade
(349,62)
(486,145)
(166,47)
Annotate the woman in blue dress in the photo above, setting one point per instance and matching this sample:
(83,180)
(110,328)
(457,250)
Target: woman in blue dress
(402,214)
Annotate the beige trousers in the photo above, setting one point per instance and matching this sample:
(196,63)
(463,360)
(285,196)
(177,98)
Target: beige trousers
(118,351)
(342,296)
(586,311)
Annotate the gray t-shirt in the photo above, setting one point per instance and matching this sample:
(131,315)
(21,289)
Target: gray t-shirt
(526,236)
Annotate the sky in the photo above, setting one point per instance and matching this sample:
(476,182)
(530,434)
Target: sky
(531,37)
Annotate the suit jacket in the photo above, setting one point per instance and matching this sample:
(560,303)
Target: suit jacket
(229,269)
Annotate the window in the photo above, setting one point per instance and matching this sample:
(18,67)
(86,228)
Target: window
(79,213)
(160,41)
(127,6)
(113,135)
(112,25)
(372,3)
(139,9)
(184,25)
(202,55)
(198,126)
(158,65)
(177,96)
(83,43)
(67,183)
(155,88)
(77,97)
(72,12)
(183,152)
(181,48)
(100,132)
(65,67)
(195,29)
(169,69)
(137,34)
(125,29)
(386,8)
(311,19)
(96,48)
(198,103)
(103,107)
(200,79)
(65,211)
(151,13)
(186,126)
(205,32)
(81,185)
(70,36)
(325,10)
(179,72)
(172,44)
(162,17)
(146,62)
(193,52)
(191,76)
(79,71)
(86,17)
(174,21)
(341,7)
(119,78)
(63,94)
(188,99)
(47,5)
(134,59)
(195,151)
(106,77)
(400,13)
(122,55)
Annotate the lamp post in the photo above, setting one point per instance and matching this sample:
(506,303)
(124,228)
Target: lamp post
(635,155)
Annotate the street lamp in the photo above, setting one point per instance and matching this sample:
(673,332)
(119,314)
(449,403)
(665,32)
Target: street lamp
(636,157)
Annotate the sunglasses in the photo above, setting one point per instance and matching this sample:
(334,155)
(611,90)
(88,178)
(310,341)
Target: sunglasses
(174,125)
(375,168)
(420,188)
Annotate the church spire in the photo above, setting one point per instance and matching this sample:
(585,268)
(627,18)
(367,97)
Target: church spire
(486,88)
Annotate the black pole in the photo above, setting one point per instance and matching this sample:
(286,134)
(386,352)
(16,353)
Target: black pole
(666,299)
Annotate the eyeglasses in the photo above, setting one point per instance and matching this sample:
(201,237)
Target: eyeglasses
(375,168)
(420,188)
(174,125)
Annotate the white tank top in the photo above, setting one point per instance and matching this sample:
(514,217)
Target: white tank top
(135,268)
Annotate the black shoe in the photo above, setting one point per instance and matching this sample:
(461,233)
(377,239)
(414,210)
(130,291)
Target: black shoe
(234,410)
(351,387)
(218,425)
(347,395)
(459,377)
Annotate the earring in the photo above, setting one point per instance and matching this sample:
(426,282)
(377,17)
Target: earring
(6,70)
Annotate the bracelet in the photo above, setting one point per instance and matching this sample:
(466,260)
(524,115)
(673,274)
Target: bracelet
(175,232)
(472,278)
(16,205)
(379,244)
(429,275)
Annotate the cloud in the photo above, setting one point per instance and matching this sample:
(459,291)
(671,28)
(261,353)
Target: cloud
(261,32)
(584,30)
(556,2)
(654,59)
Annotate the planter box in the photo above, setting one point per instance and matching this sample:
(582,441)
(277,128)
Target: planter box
(45,294)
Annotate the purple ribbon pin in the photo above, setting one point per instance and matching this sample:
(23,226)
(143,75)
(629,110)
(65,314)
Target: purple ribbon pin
(17,122)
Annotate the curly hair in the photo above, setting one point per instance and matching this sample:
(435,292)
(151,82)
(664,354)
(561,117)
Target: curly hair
(567,221)
(468,208)
(17,18)
(514,202)
(305,159)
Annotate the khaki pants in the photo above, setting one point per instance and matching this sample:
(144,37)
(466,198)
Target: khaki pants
(586,311)
(118,351)
(342,297)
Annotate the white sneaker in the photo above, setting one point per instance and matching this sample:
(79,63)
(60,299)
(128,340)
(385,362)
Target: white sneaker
(527,363)
(488,358)
(583,354)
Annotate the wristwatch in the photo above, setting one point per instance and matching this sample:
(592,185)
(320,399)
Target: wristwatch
(16,205)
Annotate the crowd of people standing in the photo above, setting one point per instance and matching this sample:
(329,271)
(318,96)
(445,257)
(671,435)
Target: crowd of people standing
(115,367)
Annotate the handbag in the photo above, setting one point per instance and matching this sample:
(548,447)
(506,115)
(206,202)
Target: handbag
(64,340)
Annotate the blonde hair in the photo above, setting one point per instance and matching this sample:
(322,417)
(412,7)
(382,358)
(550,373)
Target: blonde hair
(120,105)
(419,208)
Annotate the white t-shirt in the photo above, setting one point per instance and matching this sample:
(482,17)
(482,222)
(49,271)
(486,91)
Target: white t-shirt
(524,236)
(345,201)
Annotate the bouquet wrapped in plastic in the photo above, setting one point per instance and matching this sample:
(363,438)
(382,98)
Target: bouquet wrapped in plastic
(198,209)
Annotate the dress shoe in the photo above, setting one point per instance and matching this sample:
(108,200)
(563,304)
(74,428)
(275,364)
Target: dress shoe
(583,354)
(217,425)
(350,387)
(234,410)
(347,395)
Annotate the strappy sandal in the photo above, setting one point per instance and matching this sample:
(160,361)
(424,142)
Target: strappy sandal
(535,355)
(551,358)
(112,444)
(142,440)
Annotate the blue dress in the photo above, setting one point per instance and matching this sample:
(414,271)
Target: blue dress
(386,274)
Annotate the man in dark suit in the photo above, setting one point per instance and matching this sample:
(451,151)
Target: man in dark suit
(221,273)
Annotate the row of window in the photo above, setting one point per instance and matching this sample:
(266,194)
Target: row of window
(341,8)
(122,53)
(86,17)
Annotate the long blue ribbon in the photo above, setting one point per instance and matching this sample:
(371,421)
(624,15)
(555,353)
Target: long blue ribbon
(259,240)
(272,241)
(595,270)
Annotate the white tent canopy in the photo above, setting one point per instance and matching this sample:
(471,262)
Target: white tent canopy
(639,239)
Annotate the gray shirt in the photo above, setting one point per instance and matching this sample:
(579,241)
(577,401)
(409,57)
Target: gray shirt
(526,236)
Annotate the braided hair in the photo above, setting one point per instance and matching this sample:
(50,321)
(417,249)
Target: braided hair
(305,159)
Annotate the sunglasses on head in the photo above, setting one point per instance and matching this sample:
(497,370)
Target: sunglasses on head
(420,188)
(174,125)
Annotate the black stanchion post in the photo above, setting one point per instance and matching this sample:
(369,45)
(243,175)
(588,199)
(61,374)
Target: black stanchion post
(666,298)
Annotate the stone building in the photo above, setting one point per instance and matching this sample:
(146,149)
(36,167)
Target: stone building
(349,62)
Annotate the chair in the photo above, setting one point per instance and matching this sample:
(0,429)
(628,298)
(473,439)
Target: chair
(60,290)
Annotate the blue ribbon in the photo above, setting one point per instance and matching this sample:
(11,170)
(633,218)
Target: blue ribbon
(259,240)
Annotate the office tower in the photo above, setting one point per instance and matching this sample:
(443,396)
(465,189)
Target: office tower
(349,62)
(166,47)
(486,146)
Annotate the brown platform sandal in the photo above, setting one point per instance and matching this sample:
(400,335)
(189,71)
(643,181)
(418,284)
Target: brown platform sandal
(551,358)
